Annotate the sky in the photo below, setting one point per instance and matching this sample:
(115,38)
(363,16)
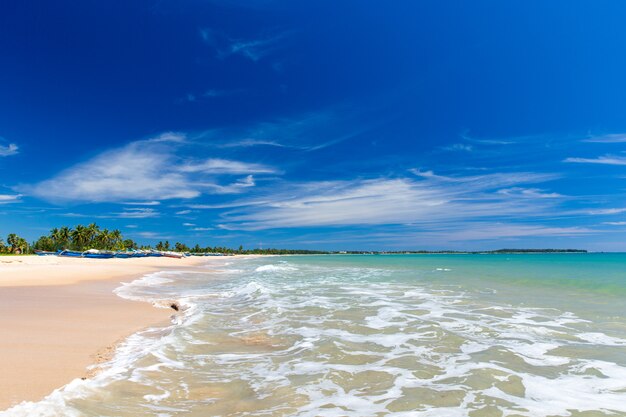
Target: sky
(337,125)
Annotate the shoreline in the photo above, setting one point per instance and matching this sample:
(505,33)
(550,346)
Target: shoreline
(60,316)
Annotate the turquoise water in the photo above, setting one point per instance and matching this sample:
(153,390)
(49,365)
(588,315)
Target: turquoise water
(388,335)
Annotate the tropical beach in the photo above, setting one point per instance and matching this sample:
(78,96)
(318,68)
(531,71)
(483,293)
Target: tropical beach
(269,208)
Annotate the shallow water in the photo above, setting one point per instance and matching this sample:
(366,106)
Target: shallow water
(423,335)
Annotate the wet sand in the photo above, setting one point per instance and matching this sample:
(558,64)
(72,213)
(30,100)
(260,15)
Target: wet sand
(59,315)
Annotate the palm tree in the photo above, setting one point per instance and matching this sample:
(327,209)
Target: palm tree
(103,239)
(116,237)
(18,244)
(79,237)
(64,237)
(92,232)
(54,235)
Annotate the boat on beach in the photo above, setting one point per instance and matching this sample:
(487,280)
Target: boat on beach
(99,254)
(45,253)
(96,254)
(70,253)
(173,255)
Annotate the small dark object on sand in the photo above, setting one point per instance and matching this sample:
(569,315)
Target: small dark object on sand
(174,306)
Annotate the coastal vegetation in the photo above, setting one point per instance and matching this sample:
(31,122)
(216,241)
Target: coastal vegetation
(92,236)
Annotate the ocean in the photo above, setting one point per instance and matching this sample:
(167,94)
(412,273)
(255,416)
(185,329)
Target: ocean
(389,335)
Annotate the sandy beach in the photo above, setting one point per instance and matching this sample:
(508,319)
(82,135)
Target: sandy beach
(59,315)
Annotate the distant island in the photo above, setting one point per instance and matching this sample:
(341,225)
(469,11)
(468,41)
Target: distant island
(452,252)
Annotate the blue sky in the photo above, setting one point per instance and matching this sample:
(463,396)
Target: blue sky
(325,124)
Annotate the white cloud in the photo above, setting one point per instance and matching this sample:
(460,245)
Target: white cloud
(508,141)
(528,193)
(615,223)
(150,170)
(610,138)
(225,166)
(247,142)
(181,212)
(432,200)
(137,213)
(234,188)
(139,170)
(188,224)
(10,149)
(252,49)
(607,211)
(173,137)
(142,203)
(10,198)
(310,131)
(202,229)
(605,159)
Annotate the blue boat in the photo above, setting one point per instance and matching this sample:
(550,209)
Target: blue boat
(123,255)
(95,254)
(45,253)
(70,254)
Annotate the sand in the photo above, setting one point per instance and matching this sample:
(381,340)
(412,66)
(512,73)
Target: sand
(59,315)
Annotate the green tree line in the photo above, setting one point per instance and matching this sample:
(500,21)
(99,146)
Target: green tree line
(92,236)
(82,237)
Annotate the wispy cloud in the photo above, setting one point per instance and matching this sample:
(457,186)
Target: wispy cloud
(137,213)
(151,169)
(604,160)
(8,150)
(10,198)
(142,203)
(610,138)
(225,166)
(491,141)
(607,211)
(528,193)
(310,131)
(234,188)
(129,213)
(247,143)
(433,199)
(615,223)
(141,169)
(171,137)
(252,49)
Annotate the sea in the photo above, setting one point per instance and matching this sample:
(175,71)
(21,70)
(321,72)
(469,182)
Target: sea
(532,335)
